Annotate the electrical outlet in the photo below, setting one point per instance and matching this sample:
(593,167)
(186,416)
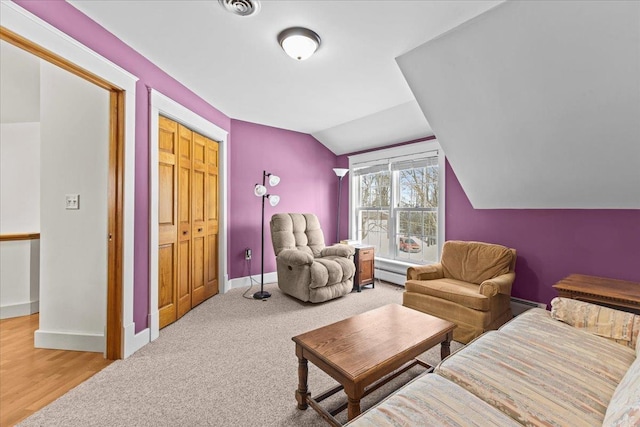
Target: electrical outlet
(72,201)
(247,254)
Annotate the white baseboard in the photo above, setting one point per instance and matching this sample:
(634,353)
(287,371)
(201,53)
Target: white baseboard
(225,284)
(70,341)
(133,341)
(244,282)
(138,341)
(17,310)
(153,320)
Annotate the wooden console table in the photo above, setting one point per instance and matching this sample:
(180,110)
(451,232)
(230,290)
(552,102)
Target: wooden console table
(613,293)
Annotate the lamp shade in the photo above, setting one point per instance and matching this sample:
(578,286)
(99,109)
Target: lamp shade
(260,190)
(299,43)
(274,180)
(274,199)
(340,171)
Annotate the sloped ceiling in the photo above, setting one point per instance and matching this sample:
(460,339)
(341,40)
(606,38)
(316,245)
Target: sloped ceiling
(537,104)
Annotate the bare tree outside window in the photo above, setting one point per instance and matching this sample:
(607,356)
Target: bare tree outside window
(400,204)
(373,217)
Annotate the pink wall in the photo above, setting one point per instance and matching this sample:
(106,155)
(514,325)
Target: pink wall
(307,184)
(69,20)
(551,243)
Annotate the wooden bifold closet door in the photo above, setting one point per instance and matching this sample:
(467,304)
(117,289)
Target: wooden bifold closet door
(188,220)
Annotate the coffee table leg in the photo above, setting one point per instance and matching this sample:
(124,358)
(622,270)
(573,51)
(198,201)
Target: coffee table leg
(445,347)
(353,408)
(302,393)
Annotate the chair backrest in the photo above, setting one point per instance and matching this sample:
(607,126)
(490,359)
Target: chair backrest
(475,262)
(296,231)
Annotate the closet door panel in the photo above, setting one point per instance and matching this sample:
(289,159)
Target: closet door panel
(167,221)
(184,220)
(199,196)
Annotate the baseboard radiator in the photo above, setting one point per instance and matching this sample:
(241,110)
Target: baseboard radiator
(390,276)
(519,306)
(391,271)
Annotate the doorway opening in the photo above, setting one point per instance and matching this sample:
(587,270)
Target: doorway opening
(115,187)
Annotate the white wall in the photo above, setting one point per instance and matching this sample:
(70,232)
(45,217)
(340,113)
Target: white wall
(19,180)
(19,278)
(74,160)
(19,177)
(20,83)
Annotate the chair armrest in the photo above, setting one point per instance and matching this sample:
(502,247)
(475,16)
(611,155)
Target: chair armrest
(345,251)
(295,257)
(498,285)
(425,272)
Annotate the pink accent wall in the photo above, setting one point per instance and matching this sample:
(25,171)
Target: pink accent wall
(551,243)
(307,185)
(69,20)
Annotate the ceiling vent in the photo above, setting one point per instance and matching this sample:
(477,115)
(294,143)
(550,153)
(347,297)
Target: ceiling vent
(241,7)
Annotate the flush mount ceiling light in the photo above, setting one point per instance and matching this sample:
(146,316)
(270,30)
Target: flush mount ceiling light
(241,7)
(299,43)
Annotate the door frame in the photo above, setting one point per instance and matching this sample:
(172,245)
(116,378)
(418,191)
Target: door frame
(27,31)
(165,106)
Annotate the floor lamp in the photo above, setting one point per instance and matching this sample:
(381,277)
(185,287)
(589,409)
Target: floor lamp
(341,172)
(261,191)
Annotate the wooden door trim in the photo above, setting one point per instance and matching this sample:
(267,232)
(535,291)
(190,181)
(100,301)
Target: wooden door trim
(114,330)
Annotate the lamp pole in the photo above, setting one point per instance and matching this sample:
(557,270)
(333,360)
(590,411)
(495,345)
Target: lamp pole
(340,172)
(339,198)
(262,294)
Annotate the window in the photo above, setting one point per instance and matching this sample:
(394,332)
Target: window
(396,202)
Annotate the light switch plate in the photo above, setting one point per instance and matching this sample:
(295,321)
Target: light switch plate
(72,201)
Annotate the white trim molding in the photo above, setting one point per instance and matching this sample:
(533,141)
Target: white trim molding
(400,153)
(34,29)
(246,281)
(70,341)
(163,105)
(17,310)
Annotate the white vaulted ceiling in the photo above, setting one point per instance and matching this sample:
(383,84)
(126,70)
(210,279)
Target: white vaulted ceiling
(350,95)
(537,104)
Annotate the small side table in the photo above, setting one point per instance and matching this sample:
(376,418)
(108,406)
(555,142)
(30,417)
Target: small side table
(364,267)
(614,293)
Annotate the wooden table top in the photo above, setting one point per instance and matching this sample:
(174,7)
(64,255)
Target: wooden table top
(368,342)
(612,288)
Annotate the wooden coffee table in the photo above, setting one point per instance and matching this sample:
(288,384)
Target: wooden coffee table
(366,351)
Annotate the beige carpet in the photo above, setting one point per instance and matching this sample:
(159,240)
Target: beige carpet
(229,362)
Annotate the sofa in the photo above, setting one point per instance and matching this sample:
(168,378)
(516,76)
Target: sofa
(577,365)
(470,286)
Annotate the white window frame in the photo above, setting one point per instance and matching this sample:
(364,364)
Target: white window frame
(403,152)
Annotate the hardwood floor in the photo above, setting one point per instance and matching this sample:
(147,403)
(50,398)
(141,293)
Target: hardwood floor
(31,378)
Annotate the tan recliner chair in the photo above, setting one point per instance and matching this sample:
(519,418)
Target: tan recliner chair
(306,268)
(471,287)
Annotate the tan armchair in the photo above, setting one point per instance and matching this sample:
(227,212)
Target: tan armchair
(471,287)
(307,269)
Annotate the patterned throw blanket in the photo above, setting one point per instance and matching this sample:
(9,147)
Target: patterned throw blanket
(615,325)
